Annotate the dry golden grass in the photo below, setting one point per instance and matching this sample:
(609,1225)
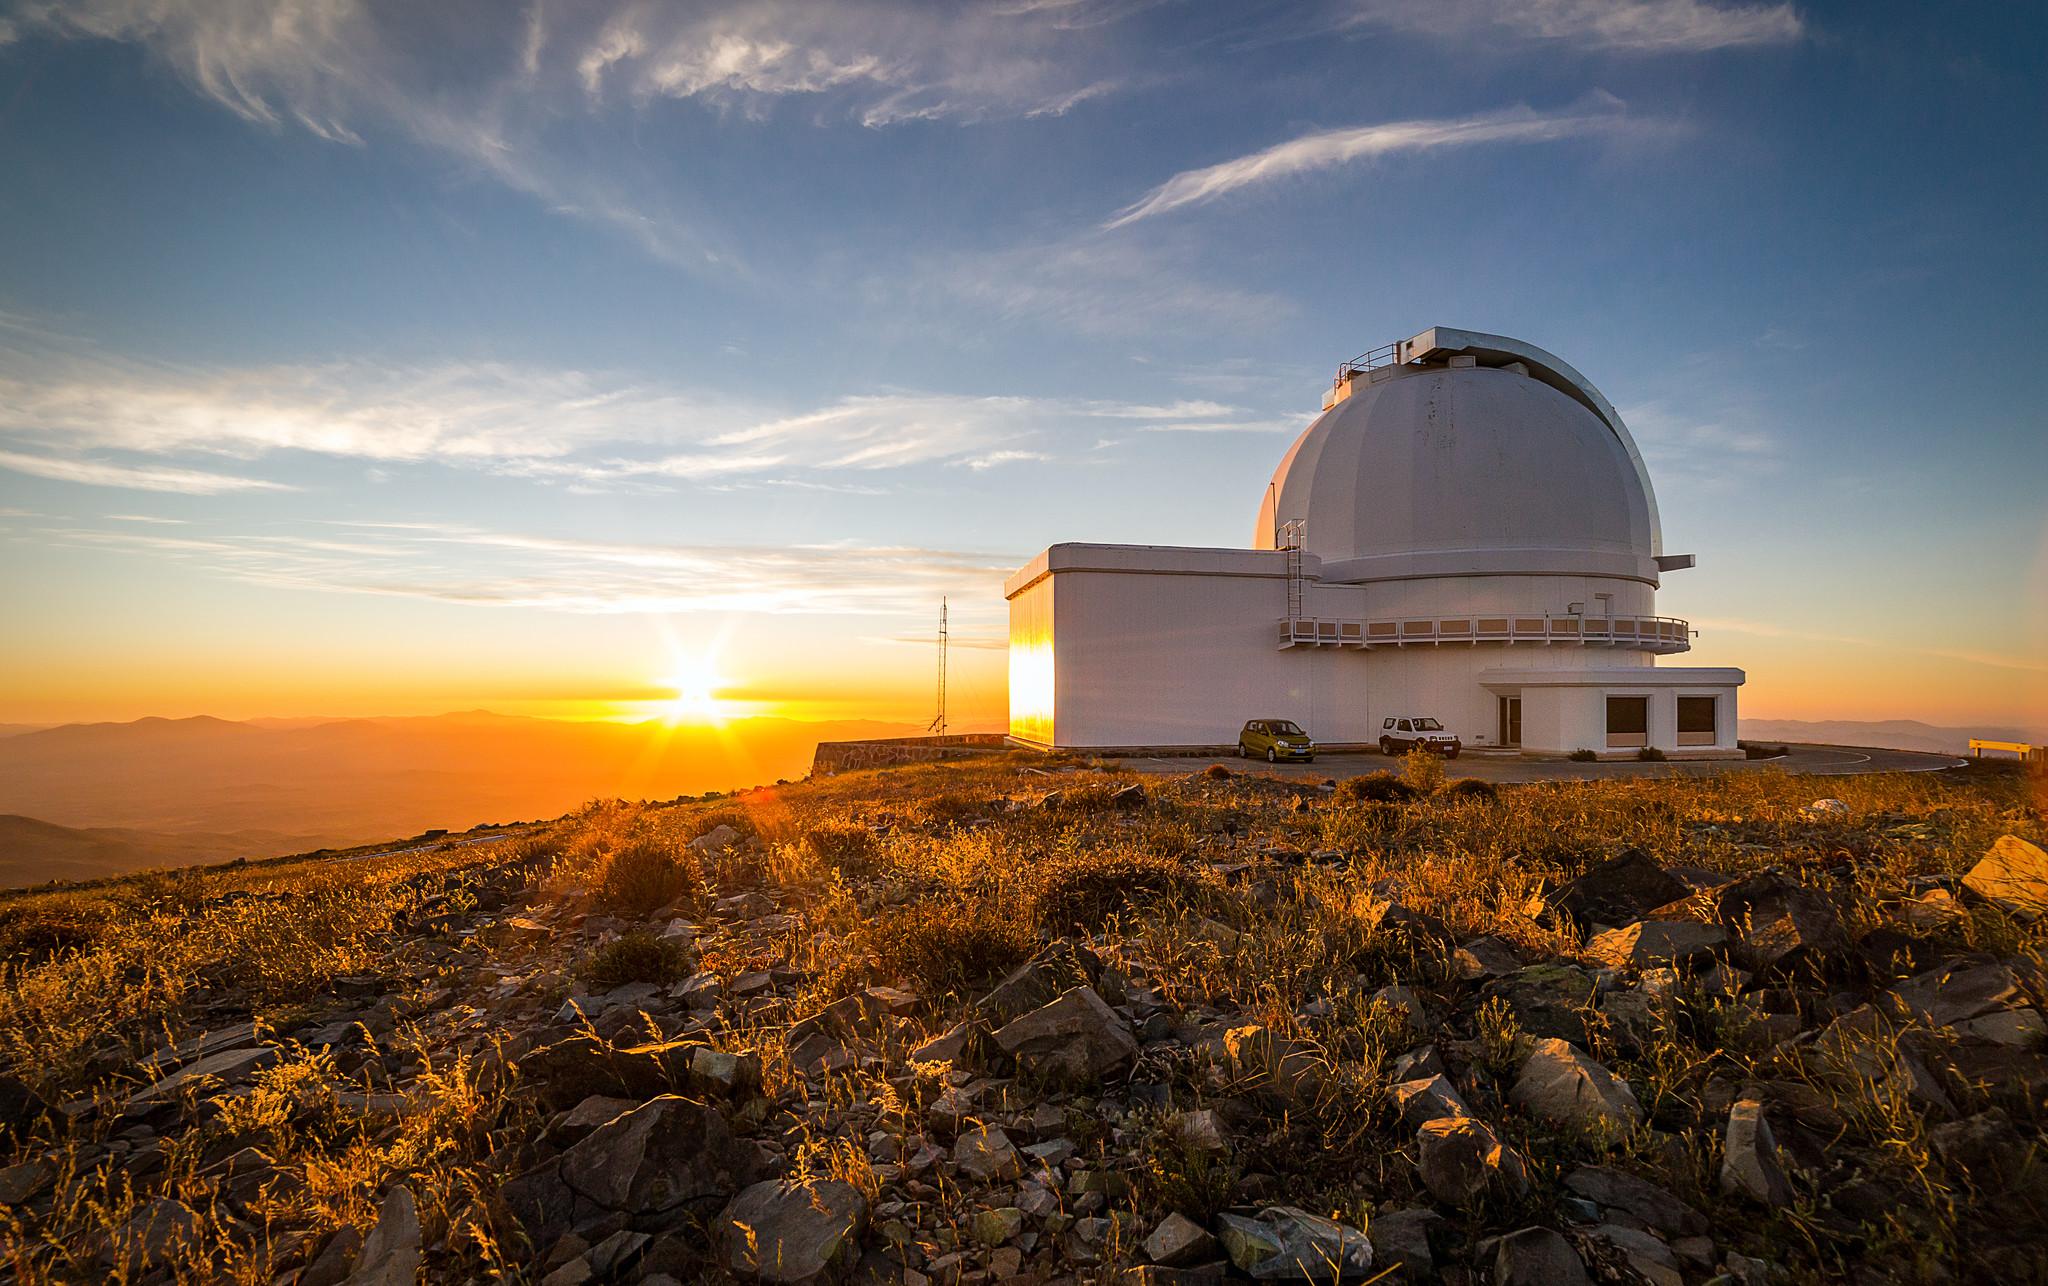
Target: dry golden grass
(943,877)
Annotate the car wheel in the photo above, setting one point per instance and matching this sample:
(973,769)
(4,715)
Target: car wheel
(1240,750)
(1272,755)
(1386,745)
(1311,758)
(1451,754)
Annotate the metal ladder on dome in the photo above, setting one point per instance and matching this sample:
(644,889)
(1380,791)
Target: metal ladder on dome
(1294,540)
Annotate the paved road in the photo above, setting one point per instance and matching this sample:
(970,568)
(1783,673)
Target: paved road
(1819,761)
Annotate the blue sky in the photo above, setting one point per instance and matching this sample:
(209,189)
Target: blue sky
(520,347)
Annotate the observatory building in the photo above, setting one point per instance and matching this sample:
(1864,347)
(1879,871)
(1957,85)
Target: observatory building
(1466,533)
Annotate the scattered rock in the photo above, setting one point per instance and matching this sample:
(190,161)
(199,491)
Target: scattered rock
(227,1066)
(1486,957)
(1400,1243)
(1180,1242)
(1285,1244)
(1749,1157)
(1429,1099)
(1619,1190)
(157,1235)
(1074,1041)
(988,1155)
(776,1231)
(1648,1257)
(2014,875)
(949,1046)
(666,1153)
(391,1253)
(1826,808)
(1560,1084)
(1537,1257)
(1618,891)
(1547,999)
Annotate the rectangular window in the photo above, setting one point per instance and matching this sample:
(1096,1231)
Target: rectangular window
(1696,720)
(1628,722)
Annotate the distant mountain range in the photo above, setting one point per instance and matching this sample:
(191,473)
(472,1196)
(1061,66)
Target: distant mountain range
(169,791)
(1888,734)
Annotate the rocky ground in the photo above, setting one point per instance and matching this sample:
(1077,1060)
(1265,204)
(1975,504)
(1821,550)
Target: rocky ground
(1005,1024)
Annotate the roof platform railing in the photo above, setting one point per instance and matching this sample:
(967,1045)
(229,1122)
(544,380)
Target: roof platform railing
(1660,634)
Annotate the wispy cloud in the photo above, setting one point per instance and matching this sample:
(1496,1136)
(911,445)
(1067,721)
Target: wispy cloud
(481,567)
(1101,285)
(63,410)
(1329,149)
(492,95)
(100,473)
(1629,26)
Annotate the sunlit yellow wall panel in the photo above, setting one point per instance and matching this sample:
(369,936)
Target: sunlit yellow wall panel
(1031,664)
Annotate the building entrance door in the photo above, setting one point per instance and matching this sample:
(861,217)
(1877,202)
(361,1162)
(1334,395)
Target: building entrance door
(1511,721)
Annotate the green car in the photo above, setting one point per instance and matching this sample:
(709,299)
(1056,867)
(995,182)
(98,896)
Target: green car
(1275,739)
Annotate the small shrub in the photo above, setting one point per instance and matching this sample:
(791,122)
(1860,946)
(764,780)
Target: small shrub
(1217,772)
(944,812)
(1374,787)
(646,874)
(637,957)
(846,847)
(1183,1176)
(1757,750)
(1423,769)
(1583,756)
(1473,788)
(1082,890)
(1651,755)
(943,946)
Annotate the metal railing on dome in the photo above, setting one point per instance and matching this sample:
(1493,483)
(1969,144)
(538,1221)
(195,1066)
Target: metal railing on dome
(1661,634)
(1384,355)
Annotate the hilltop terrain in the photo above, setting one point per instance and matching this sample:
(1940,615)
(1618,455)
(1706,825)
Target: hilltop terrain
(1891,734)
(205,789)
(1027,1020)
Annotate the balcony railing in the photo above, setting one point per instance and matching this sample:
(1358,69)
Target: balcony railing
(1640,633)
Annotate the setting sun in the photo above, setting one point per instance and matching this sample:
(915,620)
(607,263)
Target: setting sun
(696,683)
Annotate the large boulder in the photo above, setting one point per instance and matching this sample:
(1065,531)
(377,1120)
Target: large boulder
(1560,1084)
(667,1153)
(1075,1041)
(1958,991)
(1537,1257)
(1619,890)
(1285,1244)
(832,1038)
(1461,1160)
(782,1232)
(2014,875)
(1040,980)
(1777,921)
(1649,944)
(1547,999)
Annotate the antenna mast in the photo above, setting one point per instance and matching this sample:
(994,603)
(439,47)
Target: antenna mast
(938,723)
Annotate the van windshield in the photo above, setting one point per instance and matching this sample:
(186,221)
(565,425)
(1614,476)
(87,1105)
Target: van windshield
(1428,725)
(1284,728)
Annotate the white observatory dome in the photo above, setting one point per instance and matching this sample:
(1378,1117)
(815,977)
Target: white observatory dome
(1429,469)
